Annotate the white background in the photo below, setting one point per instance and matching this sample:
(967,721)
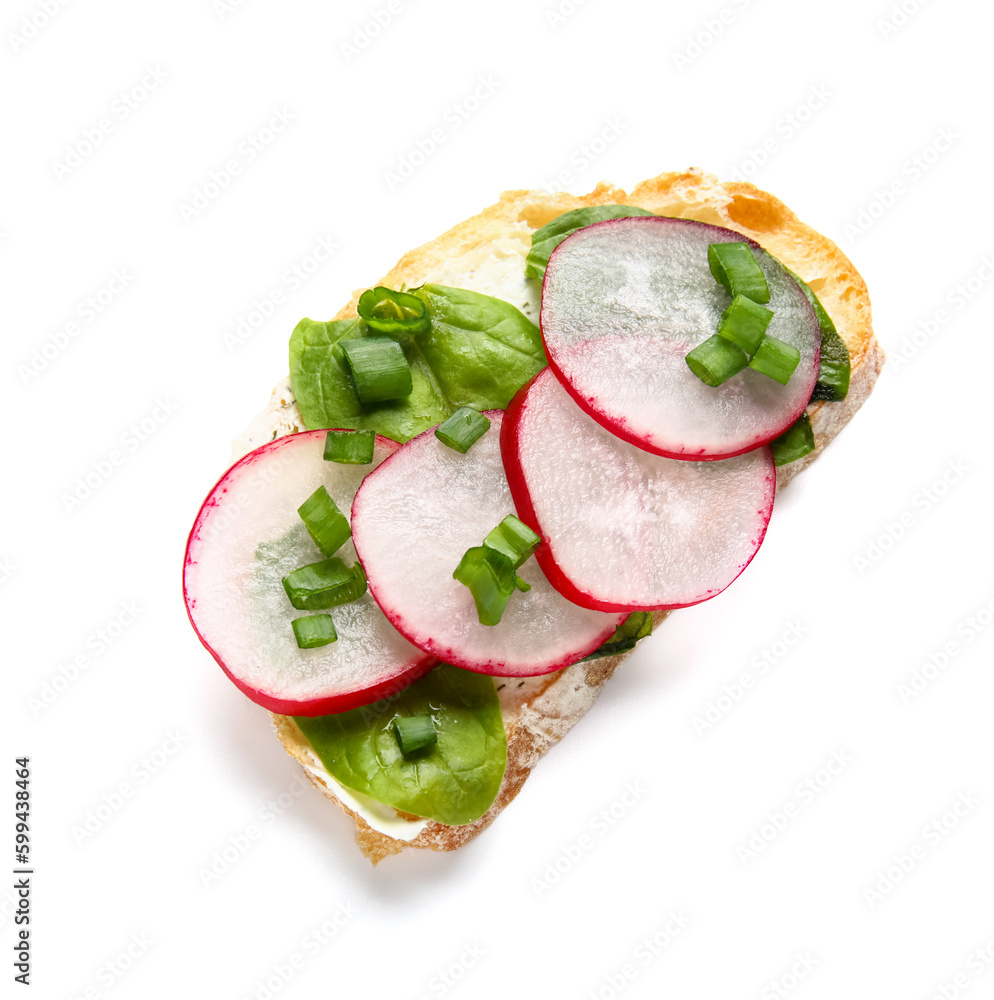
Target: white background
(878,554)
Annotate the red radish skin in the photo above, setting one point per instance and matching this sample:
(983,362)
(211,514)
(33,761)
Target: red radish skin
(607,553)
(413,519)
(624,301)
(333,703)
(249,490)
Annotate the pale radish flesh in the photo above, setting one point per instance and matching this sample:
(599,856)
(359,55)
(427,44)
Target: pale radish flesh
(621,527)
(412,521)
(246,538)
(624,301)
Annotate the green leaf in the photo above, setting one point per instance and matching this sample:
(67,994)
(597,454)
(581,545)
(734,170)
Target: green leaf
(478,352)
(481,350)
(546,239)
(453,782)
(795,442)
(326,397)
(833,376)
(636,626)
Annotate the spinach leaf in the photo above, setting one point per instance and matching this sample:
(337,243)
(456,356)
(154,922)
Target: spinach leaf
(477,352)
(546,239)
(453,782)
(480,349)
(833,376)
(327,398)
(636,626)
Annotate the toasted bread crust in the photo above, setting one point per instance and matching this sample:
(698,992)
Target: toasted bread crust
(553,705)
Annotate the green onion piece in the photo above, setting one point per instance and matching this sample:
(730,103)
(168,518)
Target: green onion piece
(324,585)
(744,323)
(636,626)
(312,631)
(414,732)
(833,375)
(716,360)
(325,523)
(513,539)
(349,447)
(735,268)
(795,442)
(490,576)
(378,368)
(489,569)
(387,311)
(776,359)
(463,429)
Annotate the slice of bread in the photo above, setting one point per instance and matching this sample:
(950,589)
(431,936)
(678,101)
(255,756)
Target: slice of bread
(487,254)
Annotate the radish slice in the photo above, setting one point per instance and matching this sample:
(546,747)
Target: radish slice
(623,528)
(246,538)
(624,301)
(412,521)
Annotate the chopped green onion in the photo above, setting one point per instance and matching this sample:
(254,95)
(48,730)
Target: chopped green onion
(636,626)
(776,359)
(414,732)
(312,631)
(378,368)
(324,585)
(489,569)
(735,268)
(387,311)
(513,539)
(325,523)
(490,576)
(463,429)
(744,323)
(716,360)
(349,447)
(795,442)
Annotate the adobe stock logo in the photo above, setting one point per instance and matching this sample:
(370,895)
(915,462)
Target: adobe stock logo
(650,948)
(96,643)
(111,971)
(788,981)
(121,109)
(130,441)
(586,154)
(313,943)
(780,819)
(911,171)
(900,14)
(956,299)
(32,25)
(248,151)
(599,826)
(711,29)
(453,118)
(734,691)
(89,310)
(364,34)
(225,7)
(449,977)
(901,525)
(939,659)
(555,16)
(903,863)
(265,306)
(140,774)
